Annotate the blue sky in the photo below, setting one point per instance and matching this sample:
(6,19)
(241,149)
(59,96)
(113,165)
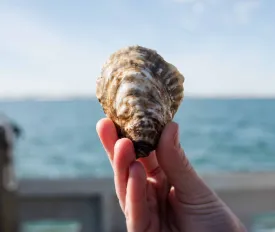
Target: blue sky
(56,48)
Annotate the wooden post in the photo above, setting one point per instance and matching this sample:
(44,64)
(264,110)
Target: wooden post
(8,183)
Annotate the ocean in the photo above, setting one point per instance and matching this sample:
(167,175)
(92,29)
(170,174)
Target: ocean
(218,135)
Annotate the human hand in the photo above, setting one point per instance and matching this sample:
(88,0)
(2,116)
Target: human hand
(162,192)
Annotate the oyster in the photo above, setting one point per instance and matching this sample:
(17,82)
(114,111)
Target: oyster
(140,92)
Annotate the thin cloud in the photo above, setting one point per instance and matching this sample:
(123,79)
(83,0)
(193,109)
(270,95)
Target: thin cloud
(185,1)
(196,1)
(235,12)
(198,8)
(243,10)
(192,21)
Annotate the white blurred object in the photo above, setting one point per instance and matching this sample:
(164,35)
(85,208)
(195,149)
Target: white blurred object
(52,226)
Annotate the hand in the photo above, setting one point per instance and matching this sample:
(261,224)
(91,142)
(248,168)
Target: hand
(163,192)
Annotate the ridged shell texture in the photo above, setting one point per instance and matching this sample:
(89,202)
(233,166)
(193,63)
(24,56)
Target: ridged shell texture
(140,92)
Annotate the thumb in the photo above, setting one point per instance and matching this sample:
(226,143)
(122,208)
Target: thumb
(189,187)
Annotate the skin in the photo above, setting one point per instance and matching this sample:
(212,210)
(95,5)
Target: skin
(163,192)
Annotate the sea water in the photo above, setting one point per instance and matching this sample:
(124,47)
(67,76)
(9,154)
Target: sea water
(218,135)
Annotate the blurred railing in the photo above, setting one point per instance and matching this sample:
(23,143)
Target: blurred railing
(93,203)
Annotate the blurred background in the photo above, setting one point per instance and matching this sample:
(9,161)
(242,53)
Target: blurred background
(51,53)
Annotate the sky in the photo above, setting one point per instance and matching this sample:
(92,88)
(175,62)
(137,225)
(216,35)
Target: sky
(56,48)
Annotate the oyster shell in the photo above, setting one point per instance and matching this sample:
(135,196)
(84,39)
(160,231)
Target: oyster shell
(140,92)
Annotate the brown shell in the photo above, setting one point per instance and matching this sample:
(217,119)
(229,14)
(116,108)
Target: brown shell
(140,92)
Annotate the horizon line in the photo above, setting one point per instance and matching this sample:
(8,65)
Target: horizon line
(88,96)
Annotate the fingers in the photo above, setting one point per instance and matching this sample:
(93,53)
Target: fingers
(130,184)
(137,210)
(189,187)
(151,165)
(108,135)
(157,178)
(124,156)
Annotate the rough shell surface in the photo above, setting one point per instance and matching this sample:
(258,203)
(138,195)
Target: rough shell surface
(140,92)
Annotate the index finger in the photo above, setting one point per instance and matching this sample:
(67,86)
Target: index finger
(108,136)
